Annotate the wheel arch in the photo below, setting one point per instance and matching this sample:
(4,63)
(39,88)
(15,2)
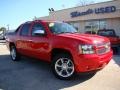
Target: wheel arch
(57,51)
(11,44)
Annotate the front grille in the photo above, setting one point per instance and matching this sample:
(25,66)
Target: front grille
(103,48)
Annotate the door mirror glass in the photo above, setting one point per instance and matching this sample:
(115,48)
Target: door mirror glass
(38,33)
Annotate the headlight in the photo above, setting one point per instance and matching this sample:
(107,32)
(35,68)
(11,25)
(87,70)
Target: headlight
(86,49)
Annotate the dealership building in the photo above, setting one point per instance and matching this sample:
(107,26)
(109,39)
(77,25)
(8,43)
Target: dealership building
(105,15)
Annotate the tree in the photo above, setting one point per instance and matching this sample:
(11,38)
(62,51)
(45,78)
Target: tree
(2,30)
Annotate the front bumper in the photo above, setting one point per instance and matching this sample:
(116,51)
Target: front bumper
(86,63)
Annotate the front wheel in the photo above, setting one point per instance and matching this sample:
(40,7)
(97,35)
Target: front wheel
(14,55)
(63,66)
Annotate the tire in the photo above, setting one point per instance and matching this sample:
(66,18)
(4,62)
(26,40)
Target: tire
(63,66)
(14,55)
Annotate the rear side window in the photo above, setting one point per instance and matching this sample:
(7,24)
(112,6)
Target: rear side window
(25,29)
(106,33)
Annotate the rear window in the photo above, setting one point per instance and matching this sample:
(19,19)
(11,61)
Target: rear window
(106,33)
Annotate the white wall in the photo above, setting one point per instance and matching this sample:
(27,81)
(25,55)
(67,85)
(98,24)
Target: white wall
(65,14)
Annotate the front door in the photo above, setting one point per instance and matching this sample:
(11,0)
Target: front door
(40,42)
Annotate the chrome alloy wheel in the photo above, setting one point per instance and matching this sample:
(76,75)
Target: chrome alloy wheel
(13,53)
(64,67)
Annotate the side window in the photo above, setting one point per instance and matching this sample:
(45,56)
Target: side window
(25,29)
(37,26)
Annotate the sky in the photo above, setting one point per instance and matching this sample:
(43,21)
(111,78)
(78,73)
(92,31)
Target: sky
(15,12)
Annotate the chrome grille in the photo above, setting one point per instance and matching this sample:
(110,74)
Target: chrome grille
(103,48)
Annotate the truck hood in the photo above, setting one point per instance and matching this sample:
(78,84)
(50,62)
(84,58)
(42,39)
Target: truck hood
(86,38)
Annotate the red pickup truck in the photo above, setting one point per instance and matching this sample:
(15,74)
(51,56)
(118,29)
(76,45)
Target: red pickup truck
(110,33)
(68,51)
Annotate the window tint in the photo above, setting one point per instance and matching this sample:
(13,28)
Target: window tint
(25,29)
(37,26)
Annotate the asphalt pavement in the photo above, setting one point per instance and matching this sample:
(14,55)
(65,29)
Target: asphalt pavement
(31,74)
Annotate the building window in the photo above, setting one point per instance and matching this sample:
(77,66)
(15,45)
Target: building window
(102,24)
(95,25)
(92,26)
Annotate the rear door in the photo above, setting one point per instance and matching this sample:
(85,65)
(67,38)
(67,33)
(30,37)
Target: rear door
(23,43)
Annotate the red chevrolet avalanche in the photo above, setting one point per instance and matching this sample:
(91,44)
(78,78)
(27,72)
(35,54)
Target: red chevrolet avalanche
(68,51)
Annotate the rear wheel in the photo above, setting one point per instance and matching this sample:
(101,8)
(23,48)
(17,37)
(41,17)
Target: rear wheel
(63,66)
(14,55)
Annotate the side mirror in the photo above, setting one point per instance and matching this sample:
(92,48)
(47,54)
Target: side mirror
(39,33)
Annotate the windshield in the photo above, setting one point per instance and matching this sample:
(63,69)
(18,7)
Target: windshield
(58,28)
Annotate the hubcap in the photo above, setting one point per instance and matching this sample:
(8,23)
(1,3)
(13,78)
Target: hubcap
(64,67)
(13,53)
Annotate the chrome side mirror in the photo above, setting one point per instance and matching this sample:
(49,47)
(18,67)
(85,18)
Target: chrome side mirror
(39,33)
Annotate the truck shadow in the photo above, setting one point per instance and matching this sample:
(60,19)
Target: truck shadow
(116,56)
(117,59)
(32,74)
